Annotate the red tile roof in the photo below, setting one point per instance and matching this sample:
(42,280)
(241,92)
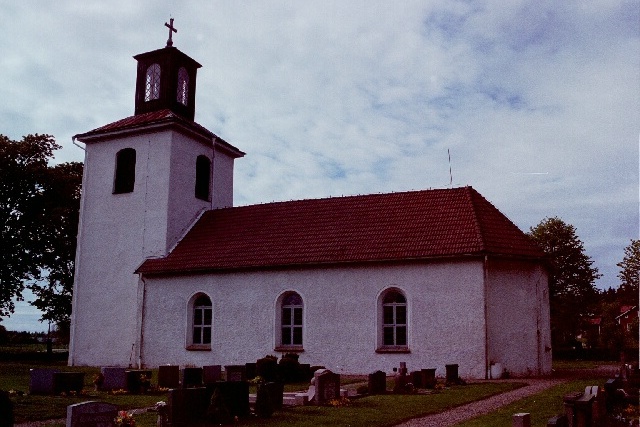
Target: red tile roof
(379,227)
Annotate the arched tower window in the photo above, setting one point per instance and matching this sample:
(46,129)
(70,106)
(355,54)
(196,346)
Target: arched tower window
(203,178)
(202,319)
(152,83)
(291,322)
(182,94)
(125,175)
(393,320)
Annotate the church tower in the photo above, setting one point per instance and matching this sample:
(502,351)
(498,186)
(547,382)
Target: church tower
(147,179)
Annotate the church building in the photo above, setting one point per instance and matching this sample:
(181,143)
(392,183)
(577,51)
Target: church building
(168,271)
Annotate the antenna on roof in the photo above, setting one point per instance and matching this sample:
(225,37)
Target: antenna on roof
(450,174)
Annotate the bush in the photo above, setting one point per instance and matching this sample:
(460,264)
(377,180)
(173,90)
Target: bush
(289,369)
(267,368)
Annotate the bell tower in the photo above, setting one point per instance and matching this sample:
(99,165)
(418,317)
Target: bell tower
(166,79)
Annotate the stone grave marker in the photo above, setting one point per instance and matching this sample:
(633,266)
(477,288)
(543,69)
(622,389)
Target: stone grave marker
(522,419)
(211,374)
(558,421)
(187,406)
(416,379)
(377,383)
(191,377)
(327,386)
(41,381)
(91,414)
(169,376)
(6,410)
(235,372)
(401,379)
(235,394)
(138,380)
(452,374)
(276,393)
(115,378)
(429,377)
(66,382)
(250,370)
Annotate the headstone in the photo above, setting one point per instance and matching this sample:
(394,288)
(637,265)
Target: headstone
(235,372)
(115,378)
(569,401)
(138,380)
(327,386)
(416,379)
(598,405)
(187,406)
(191,377)
(452,373)
(235,394)
(211,374)
(6,410)
(522,419)
(251,370)
(169,376)
(66,382)
(276,393)
(91,414)
(610,388)
(401,379)
(583,410)
(41,381)
(558,421)
(377,383)
(429,377)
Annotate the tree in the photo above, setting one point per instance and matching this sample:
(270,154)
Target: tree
(572,291)
(39,207)
(630,272)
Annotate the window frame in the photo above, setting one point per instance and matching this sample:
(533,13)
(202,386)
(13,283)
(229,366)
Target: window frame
(290,335)
(398,321)
(203,178)
(152,79)
(197,315)
(124,175)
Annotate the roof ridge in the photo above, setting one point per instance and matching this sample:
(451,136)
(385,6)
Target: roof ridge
(476,219)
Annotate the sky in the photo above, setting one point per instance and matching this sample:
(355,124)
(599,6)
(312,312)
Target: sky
(535,104)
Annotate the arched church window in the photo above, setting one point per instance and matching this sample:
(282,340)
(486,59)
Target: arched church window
(125,174)
(394,320)
(203,178)
(202,318)
(152,83)
(183,86)
(291,320)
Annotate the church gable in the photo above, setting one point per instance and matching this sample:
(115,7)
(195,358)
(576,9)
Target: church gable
(380,227)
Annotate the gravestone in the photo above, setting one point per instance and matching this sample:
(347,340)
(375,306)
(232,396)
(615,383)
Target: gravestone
(211,374)
(416,379)
(569,401)
(41,381)
(598,405)
(327,386)
(250,370)
(377,383)
(138,380)
(583,410)
(522,419)
(191,377)
(115,378)
(187,406)
(452,374)
(66,382)
(6,410)
(235,394)
(91,414)
(168,376)
(235,372)
(401,379)
(429,377)
(305,372)
(275,391)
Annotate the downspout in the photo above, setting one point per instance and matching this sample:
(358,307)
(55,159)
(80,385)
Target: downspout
(485,277)
(142,304)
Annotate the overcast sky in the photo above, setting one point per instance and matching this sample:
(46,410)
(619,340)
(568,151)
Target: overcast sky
(538,102)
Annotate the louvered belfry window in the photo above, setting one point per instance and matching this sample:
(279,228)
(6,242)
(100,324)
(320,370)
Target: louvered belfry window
(152,83)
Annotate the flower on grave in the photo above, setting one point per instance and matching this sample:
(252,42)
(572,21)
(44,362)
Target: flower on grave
(125,419)
(339,402)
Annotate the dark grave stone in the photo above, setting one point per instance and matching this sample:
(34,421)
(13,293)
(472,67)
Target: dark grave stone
(558,421)
(66,382)
(452,374)
(569,401)
(235,372)
(191,377)
(610,388)
(276,393)
(41,381)
(91,414)
(429,377)
(327,386)
(583,410)
(267,368)
(115,378)
(250,369)
(235,394)
(169,376)
(211,374)
(522,419)
(187,406)
(138,380)
(416,379)
(305,372)
(377,383)
(401,379)
(6,410)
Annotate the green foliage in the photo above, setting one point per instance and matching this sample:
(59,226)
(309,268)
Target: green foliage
(630,273)
(39,207)
(572,291)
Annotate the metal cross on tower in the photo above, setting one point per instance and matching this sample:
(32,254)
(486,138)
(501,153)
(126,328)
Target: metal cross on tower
(171,31)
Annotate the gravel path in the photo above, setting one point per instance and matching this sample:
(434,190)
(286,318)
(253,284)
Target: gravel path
(471,410)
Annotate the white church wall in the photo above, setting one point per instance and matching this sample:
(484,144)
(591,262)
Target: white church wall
(222,179)
(518,318)
(445,305)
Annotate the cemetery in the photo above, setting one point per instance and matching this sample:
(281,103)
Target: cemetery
(271,391)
